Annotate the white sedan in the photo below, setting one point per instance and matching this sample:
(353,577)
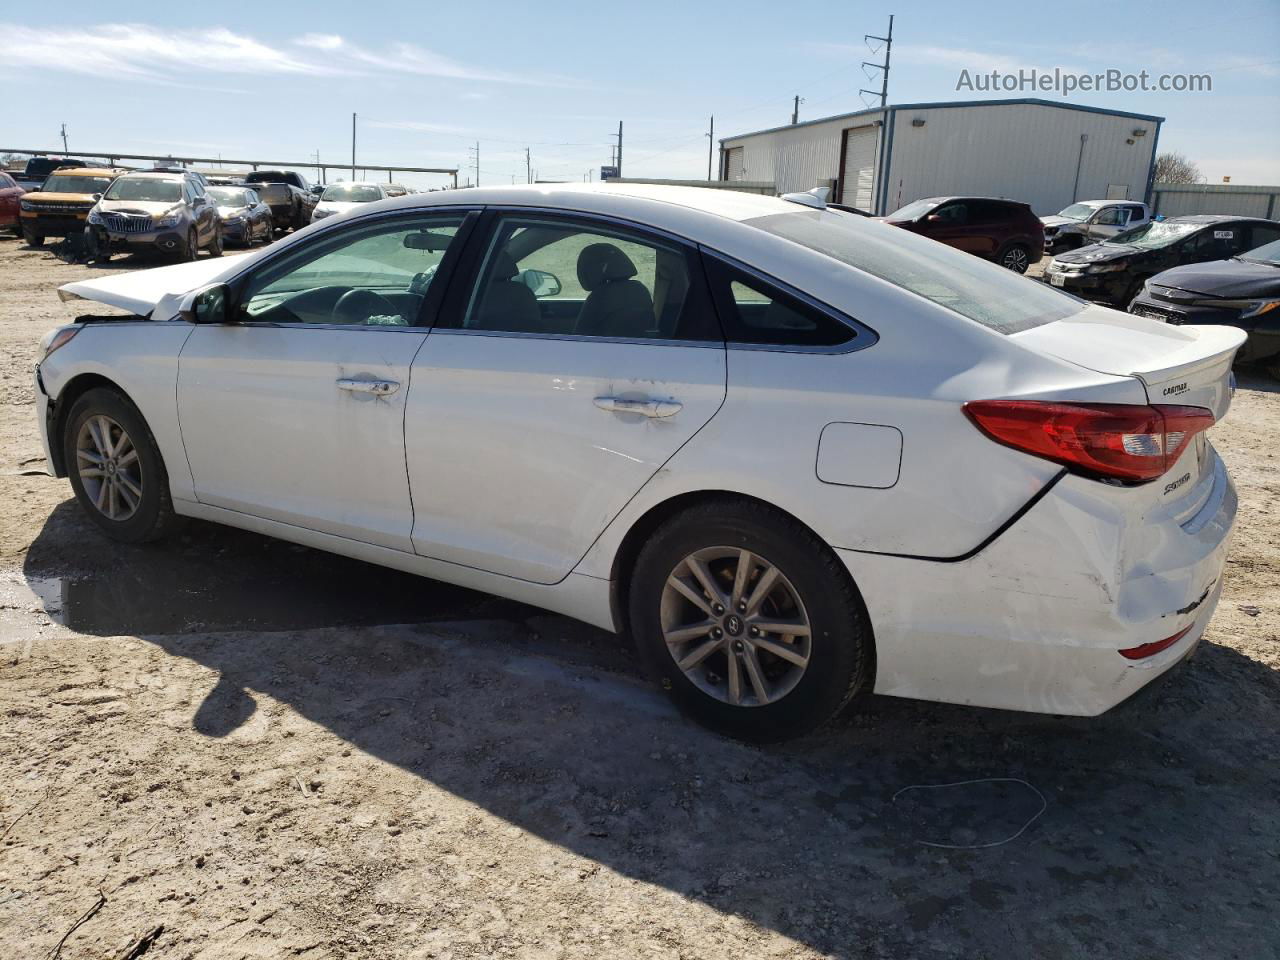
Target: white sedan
(345,197)
(796,454)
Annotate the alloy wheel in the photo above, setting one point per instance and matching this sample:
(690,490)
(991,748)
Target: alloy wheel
(735,626)
(1015,259)
(109,469)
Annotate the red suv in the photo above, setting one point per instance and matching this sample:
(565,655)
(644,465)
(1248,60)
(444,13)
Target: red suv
(1003,231)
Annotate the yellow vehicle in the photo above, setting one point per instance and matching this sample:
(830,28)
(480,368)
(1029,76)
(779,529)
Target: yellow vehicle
(62,203)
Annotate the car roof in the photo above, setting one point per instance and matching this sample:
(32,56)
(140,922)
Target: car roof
(358,183)
(588,197)
(89,171)
(153,175)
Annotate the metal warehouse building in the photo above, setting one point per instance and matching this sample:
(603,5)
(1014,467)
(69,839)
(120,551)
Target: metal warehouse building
(1043,153)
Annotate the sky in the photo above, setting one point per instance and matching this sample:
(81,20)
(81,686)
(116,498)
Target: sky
(279,81)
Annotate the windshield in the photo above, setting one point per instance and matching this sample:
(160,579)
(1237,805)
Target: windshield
(161,191)
(64,183)
(229,196)
(1078,211)
(1267,253)
(993,296)
(353,192)
(1151,236)
(913,211)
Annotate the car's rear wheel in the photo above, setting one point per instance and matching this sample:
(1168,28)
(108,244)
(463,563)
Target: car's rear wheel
(1015,257)
(749,621)
(116,469)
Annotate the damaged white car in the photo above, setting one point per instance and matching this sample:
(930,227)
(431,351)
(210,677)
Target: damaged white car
(796,454)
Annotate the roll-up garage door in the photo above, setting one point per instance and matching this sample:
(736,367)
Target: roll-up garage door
(859,166)
(733,169)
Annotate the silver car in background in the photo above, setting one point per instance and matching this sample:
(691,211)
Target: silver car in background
(166,212)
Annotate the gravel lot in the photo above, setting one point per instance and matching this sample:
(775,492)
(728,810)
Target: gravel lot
(271,752)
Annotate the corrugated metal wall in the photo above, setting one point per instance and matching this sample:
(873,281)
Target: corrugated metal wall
(1241,200)
(795,158)
(1025,152)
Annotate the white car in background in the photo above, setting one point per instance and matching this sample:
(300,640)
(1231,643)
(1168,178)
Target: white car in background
(1091,221)
(345,197)
(795,454)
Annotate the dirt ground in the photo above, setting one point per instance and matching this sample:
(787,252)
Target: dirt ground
(271,752)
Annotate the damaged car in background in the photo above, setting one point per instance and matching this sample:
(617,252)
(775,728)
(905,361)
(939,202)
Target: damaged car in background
(246,220)
(168,213)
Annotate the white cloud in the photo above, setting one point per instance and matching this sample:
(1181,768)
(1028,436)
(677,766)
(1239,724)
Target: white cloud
(140,50)
(144,51)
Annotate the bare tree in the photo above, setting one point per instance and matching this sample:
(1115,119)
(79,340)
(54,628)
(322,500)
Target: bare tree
(1173,167)
(12,160)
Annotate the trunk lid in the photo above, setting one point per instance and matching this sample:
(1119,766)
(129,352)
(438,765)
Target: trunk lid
(1188,365)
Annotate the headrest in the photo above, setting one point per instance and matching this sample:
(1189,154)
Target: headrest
(602,263)
(504,267)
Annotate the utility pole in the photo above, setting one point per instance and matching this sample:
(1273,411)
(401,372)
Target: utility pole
(477,161)
(795,110)
(353,146)
(883,92)
(528,169)
(618,164)
(64,138)
(711,144)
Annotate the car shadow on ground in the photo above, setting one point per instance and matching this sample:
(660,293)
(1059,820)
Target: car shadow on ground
(1146,832)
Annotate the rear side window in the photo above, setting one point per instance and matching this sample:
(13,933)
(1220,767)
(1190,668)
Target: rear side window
(757,312)
(970,286)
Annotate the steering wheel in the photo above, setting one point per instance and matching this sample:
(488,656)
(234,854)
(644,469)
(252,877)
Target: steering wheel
(357,306)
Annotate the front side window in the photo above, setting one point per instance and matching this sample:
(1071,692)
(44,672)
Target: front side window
(952,214)
(372,275)
(561,278)
(1110,217)
(912,211)
(970,286)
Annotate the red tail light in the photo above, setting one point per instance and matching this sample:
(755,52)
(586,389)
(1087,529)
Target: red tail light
(1104,440)
(1145,650)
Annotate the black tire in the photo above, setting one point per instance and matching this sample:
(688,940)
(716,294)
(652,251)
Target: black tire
(298,221)
(1015,257)
(841,654)
(216,245)
(192,251)
(33,239)
(153,518)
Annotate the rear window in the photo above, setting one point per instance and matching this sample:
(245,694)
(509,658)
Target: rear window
(990,295)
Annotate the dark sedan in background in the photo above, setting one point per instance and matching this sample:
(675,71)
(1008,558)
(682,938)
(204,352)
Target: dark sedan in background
(1115,270)
(245,218)
(1241,292)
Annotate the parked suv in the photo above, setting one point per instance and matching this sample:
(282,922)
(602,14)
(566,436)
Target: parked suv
(1090,221)
(59,208)
(1003,231)
(167,212)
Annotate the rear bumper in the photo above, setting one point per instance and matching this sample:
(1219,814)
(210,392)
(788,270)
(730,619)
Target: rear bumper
(1036,620)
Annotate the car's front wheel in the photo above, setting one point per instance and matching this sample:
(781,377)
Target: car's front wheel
(749,621)
(116,469)
(1015,257)
(33,239)
(217,244)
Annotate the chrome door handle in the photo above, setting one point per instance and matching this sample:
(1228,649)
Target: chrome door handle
(646,408)
(379,388)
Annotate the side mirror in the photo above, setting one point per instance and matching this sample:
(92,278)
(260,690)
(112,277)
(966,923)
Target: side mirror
(206,305)
(934,218)
(97,197)
(542,283)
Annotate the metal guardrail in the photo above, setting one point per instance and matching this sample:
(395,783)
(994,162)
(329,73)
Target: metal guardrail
(111,156)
